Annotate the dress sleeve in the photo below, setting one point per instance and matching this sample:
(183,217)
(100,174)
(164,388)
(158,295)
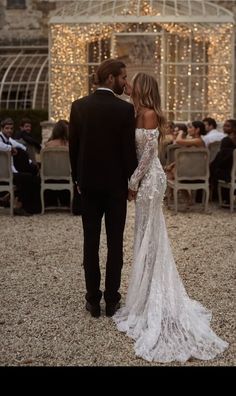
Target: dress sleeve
(149,152)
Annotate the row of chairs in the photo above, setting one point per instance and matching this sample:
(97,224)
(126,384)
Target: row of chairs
(55,173)
(192,173)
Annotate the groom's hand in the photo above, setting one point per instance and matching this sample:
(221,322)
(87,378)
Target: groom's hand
(131,195)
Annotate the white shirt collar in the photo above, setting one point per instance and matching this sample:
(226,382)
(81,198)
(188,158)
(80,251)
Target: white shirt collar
(105,89)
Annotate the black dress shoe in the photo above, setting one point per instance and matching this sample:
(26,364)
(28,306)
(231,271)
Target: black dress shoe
(111,309)
(94,309)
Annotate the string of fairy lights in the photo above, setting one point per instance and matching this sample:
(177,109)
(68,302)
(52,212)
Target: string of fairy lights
(192,64)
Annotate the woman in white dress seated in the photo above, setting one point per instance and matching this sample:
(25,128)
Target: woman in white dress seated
(166,324)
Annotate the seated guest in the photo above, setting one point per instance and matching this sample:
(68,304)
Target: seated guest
(196,130)
(59,136)
(25,176)
(178,128)
(170,134)
(228,127)
(212,134)
(169,138)
(24,137)
(220,168)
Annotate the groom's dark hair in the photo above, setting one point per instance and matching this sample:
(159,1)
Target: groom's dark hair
(107,67)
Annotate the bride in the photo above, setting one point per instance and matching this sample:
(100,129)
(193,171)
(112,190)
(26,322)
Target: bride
(158,314)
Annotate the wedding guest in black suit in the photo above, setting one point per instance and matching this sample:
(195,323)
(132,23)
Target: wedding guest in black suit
(220,168)
(103,157)
(24,136)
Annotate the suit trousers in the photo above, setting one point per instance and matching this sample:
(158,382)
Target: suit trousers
(113,205)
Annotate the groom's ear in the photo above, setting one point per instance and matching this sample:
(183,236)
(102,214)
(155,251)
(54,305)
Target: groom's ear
(110,79)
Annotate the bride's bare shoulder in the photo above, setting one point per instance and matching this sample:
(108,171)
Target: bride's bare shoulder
(149,119)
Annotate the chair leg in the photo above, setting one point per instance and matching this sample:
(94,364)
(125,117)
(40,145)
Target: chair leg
(219,194)
(231,199)
(206,193)
(11,203)
(42,200)
(176,199)
(203,196)
(168,196)
(71,200)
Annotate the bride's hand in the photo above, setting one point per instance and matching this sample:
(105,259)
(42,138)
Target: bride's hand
(127,89)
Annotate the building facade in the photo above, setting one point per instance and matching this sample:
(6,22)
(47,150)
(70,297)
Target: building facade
(45,46)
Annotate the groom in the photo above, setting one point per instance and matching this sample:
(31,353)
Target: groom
(103,157)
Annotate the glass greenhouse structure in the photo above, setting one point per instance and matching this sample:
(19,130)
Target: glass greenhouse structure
(187,44)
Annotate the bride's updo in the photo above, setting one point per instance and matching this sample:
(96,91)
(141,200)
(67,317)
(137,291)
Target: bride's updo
(145,94)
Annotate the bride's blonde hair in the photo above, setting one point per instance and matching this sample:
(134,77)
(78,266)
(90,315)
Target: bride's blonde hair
(145,93)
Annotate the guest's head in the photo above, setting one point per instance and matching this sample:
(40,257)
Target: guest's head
(111,74)
(229,126)
(180,127)
(7,126)
(209,123)
(145,94)
(60,131)
(196,128)
(25,125)
(170,128)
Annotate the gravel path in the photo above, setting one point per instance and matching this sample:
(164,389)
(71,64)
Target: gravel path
(42,317)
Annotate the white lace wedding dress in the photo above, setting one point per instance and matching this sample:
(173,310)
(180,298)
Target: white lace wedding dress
(166,324)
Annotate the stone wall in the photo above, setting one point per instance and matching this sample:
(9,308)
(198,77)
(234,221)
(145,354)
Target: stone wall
(27,25)
(31,23)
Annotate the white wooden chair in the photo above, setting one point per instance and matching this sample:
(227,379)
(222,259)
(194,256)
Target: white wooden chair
(170,152)
(55,172)
(229,185)
(6,176)
(191,173)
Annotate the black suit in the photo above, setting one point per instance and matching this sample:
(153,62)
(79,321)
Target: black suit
(103,157)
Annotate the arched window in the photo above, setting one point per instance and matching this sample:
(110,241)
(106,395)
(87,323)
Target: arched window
(16,4)
(24,78)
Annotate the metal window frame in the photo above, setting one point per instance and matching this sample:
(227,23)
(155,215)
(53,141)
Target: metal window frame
(24,67)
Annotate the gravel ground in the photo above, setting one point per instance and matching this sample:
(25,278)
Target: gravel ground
(42,317)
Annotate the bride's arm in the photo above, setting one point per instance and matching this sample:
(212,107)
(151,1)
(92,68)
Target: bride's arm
(150,150)
(145,161)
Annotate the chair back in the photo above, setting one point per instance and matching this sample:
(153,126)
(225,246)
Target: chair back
(5,166)
(170,152)
(55,163)
(213,148)
(192,164)
(6,176)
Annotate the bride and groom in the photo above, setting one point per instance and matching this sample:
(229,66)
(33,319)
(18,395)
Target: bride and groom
(114,156)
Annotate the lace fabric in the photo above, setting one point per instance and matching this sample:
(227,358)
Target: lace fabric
(158,314)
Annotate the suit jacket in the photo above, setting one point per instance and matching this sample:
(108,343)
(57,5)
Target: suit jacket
(102,141)
(28,139)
